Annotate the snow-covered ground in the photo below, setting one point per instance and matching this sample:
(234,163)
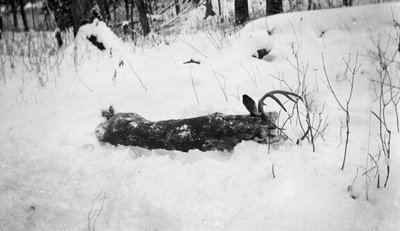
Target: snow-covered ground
(55,175)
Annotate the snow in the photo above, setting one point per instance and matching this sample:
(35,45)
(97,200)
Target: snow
(125,23)
(54,171)
(102,33)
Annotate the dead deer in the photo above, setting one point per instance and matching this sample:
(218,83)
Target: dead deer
(211,132)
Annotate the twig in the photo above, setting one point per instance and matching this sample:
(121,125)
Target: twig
(93,215)
(253,79)
(192,47)
(137,76)
(346,108)
(192,61)
(83,84)
(194,88)
(223,89)
(174,18)
(273,171)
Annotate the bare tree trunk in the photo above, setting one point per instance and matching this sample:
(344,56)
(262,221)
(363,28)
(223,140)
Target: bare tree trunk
(149,7)
(219,8)
(74,17)
(107,9)
(131,11)
(21,3)
(274,7)
(1,27)
(14,12)
(100,3)
(46,18)
(1,23)
(347,2)
(104,9)
(33,16)
(209,9)
(177,8)
(132,24)
(126,9)
(241,11)
(80,13)
(143,17)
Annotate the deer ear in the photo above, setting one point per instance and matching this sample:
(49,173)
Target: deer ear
(108,113)
(111,110)
(250,105)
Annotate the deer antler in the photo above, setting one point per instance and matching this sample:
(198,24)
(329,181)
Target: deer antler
(258,111)
(270,94)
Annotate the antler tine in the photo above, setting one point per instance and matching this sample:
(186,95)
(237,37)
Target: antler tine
(271,95)
(287,94)
(274,98)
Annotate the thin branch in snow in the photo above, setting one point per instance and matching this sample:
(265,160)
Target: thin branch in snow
(94,214)
(273,171)
(83,84)
(137,76)
(194,88)
(223,88)
(192,47)
(252,77)
(346,108)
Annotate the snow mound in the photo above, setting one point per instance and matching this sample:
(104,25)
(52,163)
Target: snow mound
(244,48)
(103,35)
(256,40)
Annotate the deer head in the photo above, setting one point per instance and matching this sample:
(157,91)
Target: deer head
(258,111)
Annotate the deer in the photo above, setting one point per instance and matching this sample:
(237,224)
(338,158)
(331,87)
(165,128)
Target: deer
(215,131)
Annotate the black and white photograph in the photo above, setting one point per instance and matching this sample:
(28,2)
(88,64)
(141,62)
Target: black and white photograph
(200,115)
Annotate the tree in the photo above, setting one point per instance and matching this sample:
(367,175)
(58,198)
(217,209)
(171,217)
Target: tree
(47,15)
(311,5)
(14,12)
(209,9)
(72,13)
(80,13)
(347,2)
(104,7)
(1,27)
(241,11)
(219,8)
(177,7)
(21,3)
(143,17)
(33,16)
(62,13)
(149,7)
(126,9)
(274,7)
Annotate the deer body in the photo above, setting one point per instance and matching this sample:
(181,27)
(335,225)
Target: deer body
(212,132)
(216,131)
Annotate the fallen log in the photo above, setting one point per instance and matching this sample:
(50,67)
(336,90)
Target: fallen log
(211,132)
